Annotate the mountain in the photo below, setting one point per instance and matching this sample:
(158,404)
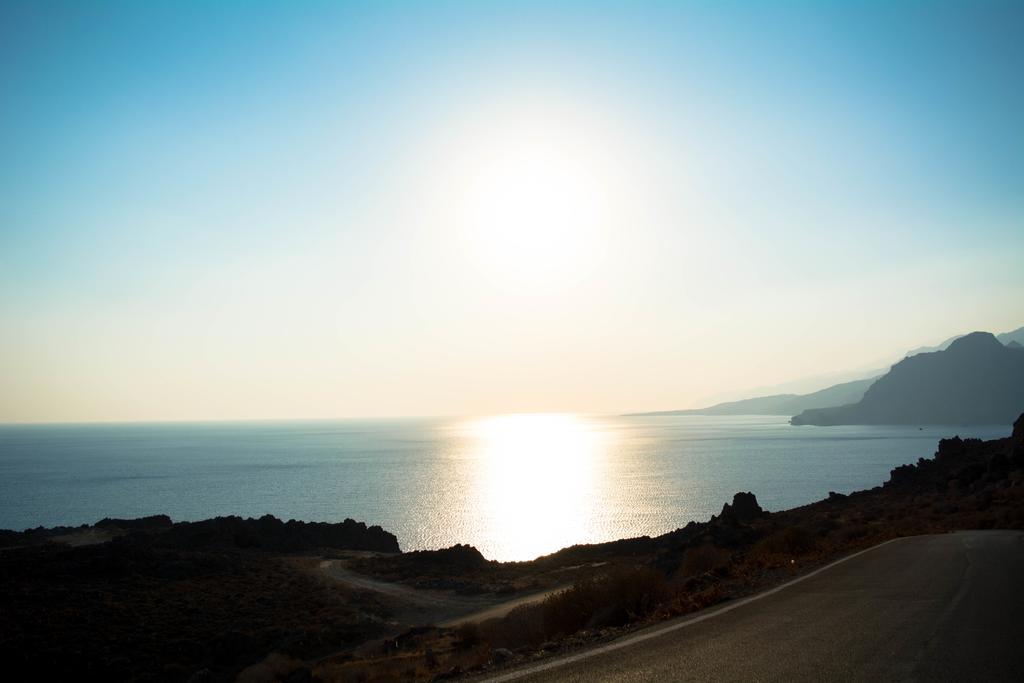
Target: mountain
(845,393)
(797,387)
(1017,336)
(1005,338)
(977,380)
(783,404)
(929,349)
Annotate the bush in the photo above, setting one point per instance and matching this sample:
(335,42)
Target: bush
(792,540)
(703,559)
(468,635)
(848,534)
(612,599)
(524,625)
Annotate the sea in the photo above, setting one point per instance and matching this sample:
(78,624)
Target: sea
(514,486)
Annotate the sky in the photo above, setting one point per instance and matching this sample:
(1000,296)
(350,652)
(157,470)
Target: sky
(314,210)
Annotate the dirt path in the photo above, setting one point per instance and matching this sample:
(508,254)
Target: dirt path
(500,609)
(434,607)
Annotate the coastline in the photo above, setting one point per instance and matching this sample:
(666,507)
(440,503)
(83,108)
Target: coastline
(259,590)
(620,478)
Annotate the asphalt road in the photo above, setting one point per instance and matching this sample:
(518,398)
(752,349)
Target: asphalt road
(927,608)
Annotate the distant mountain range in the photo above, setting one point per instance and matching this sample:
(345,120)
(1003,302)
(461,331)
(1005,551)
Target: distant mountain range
(815,407)
(783,404)
(976,380)
(1014,338)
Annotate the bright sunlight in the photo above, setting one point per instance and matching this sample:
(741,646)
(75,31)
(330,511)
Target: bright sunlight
(537,479)
(534,194)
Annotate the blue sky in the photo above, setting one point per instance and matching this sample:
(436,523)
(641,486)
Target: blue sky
(260,209)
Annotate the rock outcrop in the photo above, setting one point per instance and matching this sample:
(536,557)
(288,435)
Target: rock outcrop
(744,508)
(966,463)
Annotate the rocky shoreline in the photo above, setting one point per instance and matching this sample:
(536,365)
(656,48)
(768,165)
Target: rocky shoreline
(229,598)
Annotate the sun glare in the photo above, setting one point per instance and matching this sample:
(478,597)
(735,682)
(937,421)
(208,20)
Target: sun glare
(535,216)
(537,478)
(534,196)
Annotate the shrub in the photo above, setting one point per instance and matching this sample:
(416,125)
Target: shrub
(612,599)
(792,540)
(702,559)
(524,625)
(468,635)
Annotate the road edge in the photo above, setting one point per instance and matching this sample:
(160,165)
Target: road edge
(683,622)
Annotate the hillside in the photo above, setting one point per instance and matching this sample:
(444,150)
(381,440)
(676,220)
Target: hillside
(1006,338)
(1014,337)
(976,380)
(783,404)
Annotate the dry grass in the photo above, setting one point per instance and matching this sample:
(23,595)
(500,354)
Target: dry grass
(420,658)
(613,598)
(702,559)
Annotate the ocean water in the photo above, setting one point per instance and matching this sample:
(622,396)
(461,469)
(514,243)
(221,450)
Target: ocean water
(515,486)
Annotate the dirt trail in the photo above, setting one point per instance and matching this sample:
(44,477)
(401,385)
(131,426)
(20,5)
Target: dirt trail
(434,607)
(500,609)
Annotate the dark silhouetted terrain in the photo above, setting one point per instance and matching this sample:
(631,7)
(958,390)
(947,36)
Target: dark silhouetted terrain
(266,533)
(162,601)
(842,394)
(977,380)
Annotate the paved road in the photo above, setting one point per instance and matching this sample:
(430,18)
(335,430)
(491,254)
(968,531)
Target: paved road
(928,608)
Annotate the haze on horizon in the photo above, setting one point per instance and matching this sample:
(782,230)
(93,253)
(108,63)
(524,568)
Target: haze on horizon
(279,210)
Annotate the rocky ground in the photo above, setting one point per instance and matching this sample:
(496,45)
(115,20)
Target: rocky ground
(253,600)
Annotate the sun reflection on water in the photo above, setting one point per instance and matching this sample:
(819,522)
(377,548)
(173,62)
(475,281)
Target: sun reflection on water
(538,481)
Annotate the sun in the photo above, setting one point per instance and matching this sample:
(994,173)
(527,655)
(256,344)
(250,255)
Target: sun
(533,214)
(533,199)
